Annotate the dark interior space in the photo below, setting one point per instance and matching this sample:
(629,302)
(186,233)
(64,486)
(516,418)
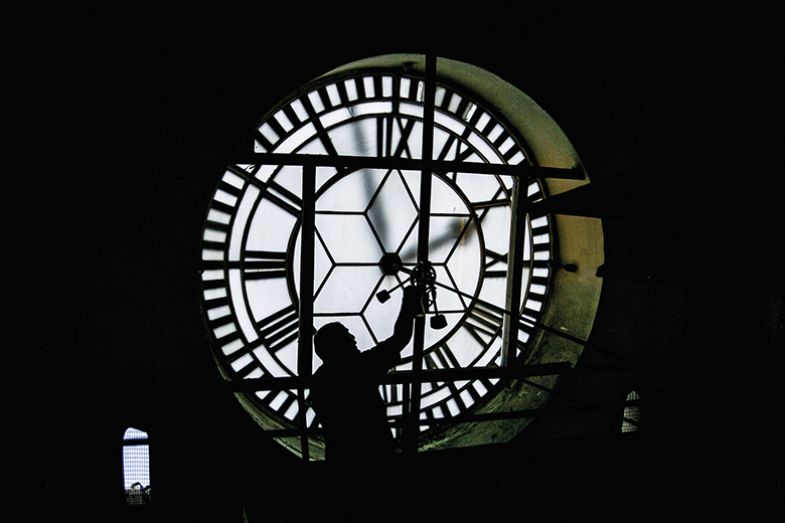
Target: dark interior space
(123,119)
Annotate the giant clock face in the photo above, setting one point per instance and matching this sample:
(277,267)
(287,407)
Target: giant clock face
(252,239)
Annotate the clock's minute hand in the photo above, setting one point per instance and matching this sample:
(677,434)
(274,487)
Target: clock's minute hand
(453,236)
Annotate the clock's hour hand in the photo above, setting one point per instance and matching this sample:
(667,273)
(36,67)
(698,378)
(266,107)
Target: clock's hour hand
(380,223)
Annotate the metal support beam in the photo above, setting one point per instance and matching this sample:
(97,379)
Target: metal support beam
(514,267)
(305,340)
(422,376)
(523,320)
(412,431)
(600,408)
(410,164)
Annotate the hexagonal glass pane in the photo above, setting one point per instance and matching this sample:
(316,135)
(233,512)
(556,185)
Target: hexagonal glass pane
(348,238)
(392,212)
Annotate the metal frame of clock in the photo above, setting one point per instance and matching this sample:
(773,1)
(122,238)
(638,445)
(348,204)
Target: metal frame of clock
(266,354)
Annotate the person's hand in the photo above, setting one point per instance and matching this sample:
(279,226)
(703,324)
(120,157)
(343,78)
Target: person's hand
(411,299)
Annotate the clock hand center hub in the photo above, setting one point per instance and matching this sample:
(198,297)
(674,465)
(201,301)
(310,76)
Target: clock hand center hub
(390,263)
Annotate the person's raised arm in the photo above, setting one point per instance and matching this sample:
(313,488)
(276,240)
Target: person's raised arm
(404,326)
(387,354)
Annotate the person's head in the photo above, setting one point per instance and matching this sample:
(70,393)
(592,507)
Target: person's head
(334,342)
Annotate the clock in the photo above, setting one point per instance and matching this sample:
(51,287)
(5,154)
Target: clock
(365,224)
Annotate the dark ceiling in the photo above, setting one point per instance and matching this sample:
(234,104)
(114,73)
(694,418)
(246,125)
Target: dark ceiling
(131,113)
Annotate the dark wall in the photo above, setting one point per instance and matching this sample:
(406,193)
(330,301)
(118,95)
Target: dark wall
(125,116)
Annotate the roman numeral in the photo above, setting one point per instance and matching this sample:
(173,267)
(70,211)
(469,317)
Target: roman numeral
(245,351)
(451,140)
(454,149)
(256,265)
(284,405)
(279,329)
(261,265)
(272,191)
(327,143)
(441,357)
(386,144)
(492,258)
(483,322)
(393,393)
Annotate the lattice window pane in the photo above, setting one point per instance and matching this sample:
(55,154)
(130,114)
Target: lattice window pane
(632,413)
(136,467)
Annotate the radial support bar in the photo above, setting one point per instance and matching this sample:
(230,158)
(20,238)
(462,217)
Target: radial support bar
(305,340)
(411,164)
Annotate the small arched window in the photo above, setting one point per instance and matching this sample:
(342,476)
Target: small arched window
(136,466)
(632,413)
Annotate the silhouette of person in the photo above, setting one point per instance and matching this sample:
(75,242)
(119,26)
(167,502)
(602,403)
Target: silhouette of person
(345,389)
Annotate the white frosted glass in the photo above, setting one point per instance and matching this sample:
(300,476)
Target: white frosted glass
(405,86)
(241,217)
(387,86)
(356,138)
(347,289)
(297,139)
(335,117)
(351,90)
(488,153)
(448,121)
(316,101)
(270,228)
(444,199)
(217,216)
(268,132)
(352,193)
(348,238)
(392,212)
(270,365)
(299,110)
(332,94)
(478,187)
(370,108)
(282,119)
(454,103)
(369,87)
(435,397)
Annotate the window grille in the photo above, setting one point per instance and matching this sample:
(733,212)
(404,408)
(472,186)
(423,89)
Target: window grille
(632,413)
(136,467)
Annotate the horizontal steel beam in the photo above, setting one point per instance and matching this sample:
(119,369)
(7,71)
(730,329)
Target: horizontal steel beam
(493,416)
(424,376)
(373,162)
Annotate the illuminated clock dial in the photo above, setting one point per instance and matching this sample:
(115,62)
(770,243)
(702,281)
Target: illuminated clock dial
(366,239)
